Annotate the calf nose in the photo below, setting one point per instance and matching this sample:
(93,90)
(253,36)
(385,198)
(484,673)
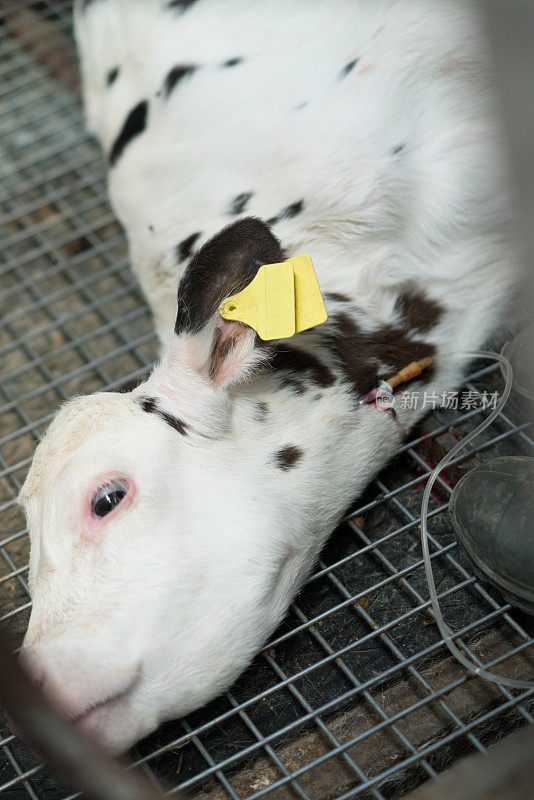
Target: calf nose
(34,671)
(39,679)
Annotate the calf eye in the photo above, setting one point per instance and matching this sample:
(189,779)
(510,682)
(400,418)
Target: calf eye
(107,497)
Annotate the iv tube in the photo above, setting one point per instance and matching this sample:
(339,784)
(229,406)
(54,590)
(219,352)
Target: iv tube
(442,625)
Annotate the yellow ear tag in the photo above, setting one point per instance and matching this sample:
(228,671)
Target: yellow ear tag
(280,301)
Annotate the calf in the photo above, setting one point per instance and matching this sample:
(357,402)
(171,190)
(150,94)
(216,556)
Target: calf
(171,526)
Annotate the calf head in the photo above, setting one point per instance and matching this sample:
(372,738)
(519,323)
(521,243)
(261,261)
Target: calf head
(159,560)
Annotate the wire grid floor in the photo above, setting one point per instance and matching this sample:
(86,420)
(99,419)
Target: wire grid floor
(355,695)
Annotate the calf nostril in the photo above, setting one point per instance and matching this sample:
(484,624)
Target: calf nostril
(34,671)
(39,679)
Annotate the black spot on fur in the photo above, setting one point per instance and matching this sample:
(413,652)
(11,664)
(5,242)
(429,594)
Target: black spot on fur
(287,213)
(261,409)
(183,5)
(398,149)
(134,125)
(232,62)
(175,75)
(150,405)
(176,423)
(112,76)
(239,202)
(337,297)
(348,68)
(287,457)
(298,362)
(223,266)
(185,248)
(128,386)
(293,384)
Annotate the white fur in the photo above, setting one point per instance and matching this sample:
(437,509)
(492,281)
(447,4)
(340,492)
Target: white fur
(172,599)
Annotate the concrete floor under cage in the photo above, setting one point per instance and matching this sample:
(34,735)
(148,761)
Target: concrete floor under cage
(356,694)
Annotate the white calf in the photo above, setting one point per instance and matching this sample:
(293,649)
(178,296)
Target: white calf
(171,526)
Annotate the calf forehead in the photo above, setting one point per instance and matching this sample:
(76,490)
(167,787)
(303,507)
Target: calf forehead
(73,426)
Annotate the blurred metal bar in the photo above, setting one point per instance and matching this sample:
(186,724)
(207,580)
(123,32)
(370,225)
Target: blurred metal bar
(506,772)
(55,740)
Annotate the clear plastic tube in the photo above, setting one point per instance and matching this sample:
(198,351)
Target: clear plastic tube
(444,629)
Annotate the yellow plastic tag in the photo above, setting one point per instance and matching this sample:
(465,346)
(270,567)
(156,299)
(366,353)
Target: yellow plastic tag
(280,301)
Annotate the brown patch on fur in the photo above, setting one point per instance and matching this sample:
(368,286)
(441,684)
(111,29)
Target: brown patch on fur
(420,312)
(298,362)
(337,297)
(287,457)
(360,355)
(351,349)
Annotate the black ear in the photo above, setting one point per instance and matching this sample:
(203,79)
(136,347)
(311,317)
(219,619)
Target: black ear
(206,345)
(223,266)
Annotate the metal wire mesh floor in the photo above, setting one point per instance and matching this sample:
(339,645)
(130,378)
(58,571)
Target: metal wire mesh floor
(356,695)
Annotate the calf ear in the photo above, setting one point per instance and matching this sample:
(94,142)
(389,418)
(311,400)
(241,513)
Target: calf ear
(220,350)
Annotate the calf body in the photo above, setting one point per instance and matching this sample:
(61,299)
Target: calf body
(171,526)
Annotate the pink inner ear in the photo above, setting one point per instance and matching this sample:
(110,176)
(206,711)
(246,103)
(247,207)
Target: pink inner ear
(233,343)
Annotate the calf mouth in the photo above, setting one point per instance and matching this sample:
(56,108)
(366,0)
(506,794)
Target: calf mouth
(86,720)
